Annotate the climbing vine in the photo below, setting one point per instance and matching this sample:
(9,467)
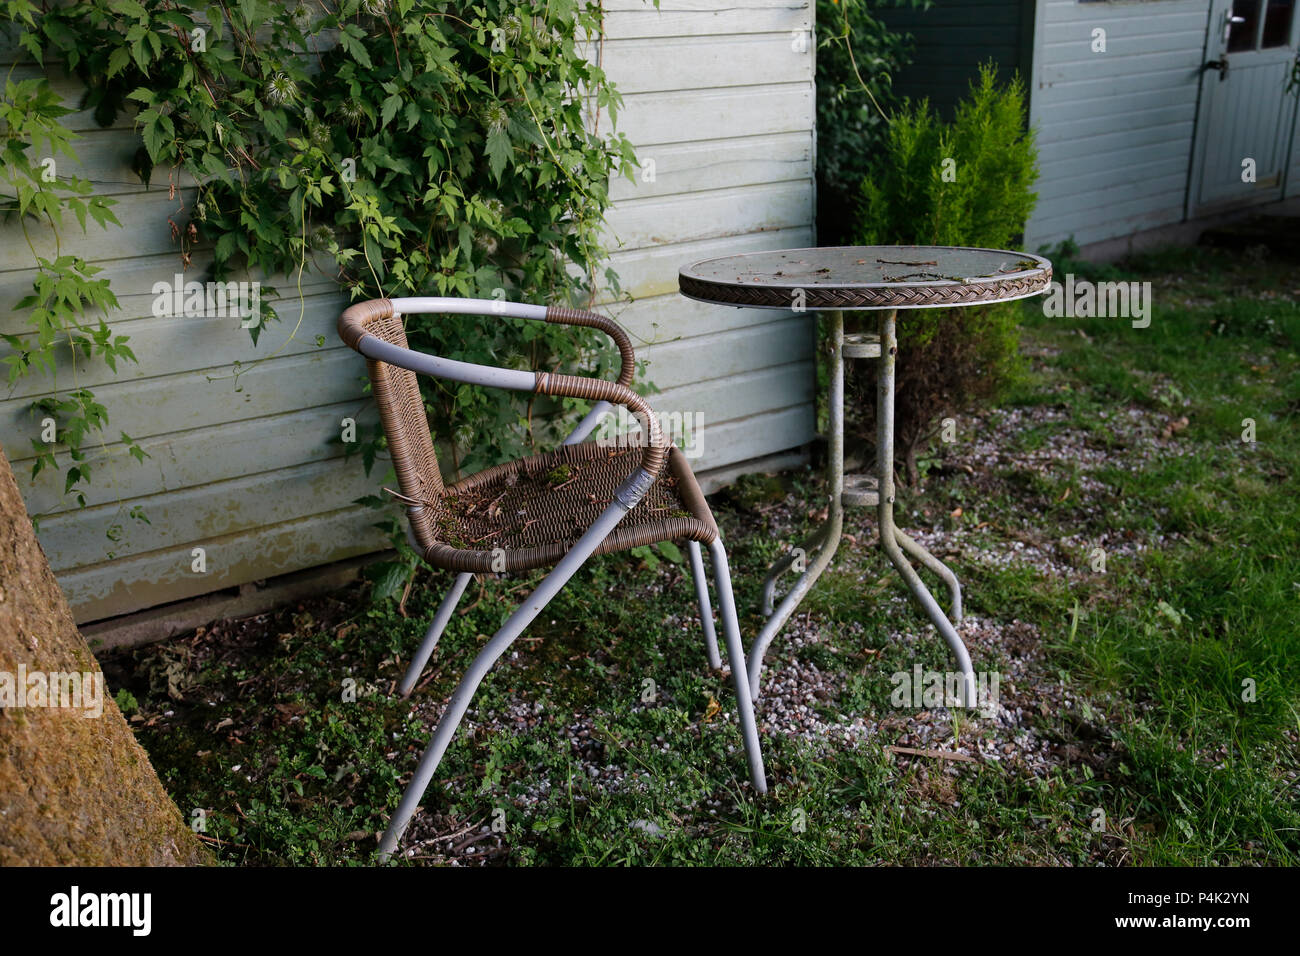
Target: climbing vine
(405,147)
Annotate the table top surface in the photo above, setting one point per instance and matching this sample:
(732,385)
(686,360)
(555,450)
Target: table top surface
(867,277)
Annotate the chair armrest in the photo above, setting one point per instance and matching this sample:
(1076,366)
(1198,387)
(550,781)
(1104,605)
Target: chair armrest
(599,390)
(559,315)
(355,318)
(353,321)
(352,330)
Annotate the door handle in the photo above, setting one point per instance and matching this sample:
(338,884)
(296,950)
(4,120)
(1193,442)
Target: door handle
(1228,21)
(1221,65)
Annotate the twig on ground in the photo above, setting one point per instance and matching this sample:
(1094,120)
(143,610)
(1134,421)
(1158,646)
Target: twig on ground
(939,754)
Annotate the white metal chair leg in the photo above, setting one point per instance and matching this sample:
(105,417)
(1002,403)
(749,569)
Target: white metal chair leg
(439,624)
(513,627)
(736,657)
(706,609)
(460,699)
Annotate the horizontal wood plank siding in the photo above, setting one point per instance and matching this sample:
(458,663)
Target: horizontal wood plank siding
(719,105)
(1114,128)
(244,458)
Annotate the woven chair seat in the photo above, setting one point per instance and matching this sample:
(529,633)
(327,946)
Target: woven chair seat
(528,513)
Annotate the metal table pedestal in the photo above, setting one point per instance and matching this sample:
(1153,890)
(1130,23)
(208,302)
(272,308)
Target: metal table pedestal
(877,278)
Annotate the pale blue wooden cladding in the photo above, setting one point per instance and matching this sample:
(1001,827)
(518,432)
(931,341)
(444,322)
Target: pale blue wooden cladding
(249,466)
(246,466)
(719,105)
(1115,127)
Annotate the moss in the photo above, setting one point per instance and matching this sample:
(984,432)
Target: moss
(448,532)
(750,491)
(79,790)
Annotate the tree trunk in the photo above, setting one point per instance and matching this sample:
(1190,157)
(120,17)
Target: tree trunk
(75,786)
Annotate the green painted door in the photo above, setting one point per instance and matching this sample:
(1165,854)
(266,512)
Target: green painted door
(1246,116)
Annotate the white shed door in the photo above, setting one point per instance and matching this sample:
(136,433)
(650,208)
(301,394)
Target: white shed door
(1246,116)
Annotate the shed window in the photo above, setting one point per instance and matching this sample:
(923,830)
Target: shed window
(1277,23)
(1241,36)
(1251,33)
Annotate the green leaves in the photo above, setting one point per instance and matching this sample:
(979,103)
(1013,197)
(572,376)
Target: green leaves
(962,183)
(670,551)
(968,182)
(391,105)
(130,8)
(254,13)
(350,38)
(389,578)
(856,55)
(651,555)
(498,151)
(405,156)
(157,130)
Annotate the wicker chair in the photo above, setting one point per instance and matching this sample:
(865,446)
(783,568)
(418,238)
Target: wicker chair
(550,510)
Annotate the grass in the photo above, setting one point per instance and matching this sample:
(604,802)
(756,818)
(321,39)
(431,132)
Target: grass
(1156,701)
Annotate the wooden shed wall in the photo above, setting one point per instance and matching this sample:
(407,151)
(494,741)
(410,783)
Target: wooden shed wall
(248,466)
(1115,128)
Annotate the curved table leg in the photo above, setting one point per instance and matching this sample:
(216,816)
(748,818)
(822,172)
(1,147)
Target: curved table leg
(937,617)
(783,564)
(938,568)
(889,533)
(828,532)
(792,599)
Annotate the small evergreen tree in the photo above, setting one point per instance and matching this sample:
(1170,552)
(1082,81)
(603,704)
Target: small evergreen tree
(964,183)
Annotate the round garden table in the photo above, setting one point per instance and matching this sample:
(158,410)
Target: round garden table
(885,279)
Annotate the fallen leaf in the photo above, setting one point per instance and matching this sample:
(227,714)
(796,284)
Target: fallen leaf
(1064,496)
(956,513)
(1173,427)
(712,710)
